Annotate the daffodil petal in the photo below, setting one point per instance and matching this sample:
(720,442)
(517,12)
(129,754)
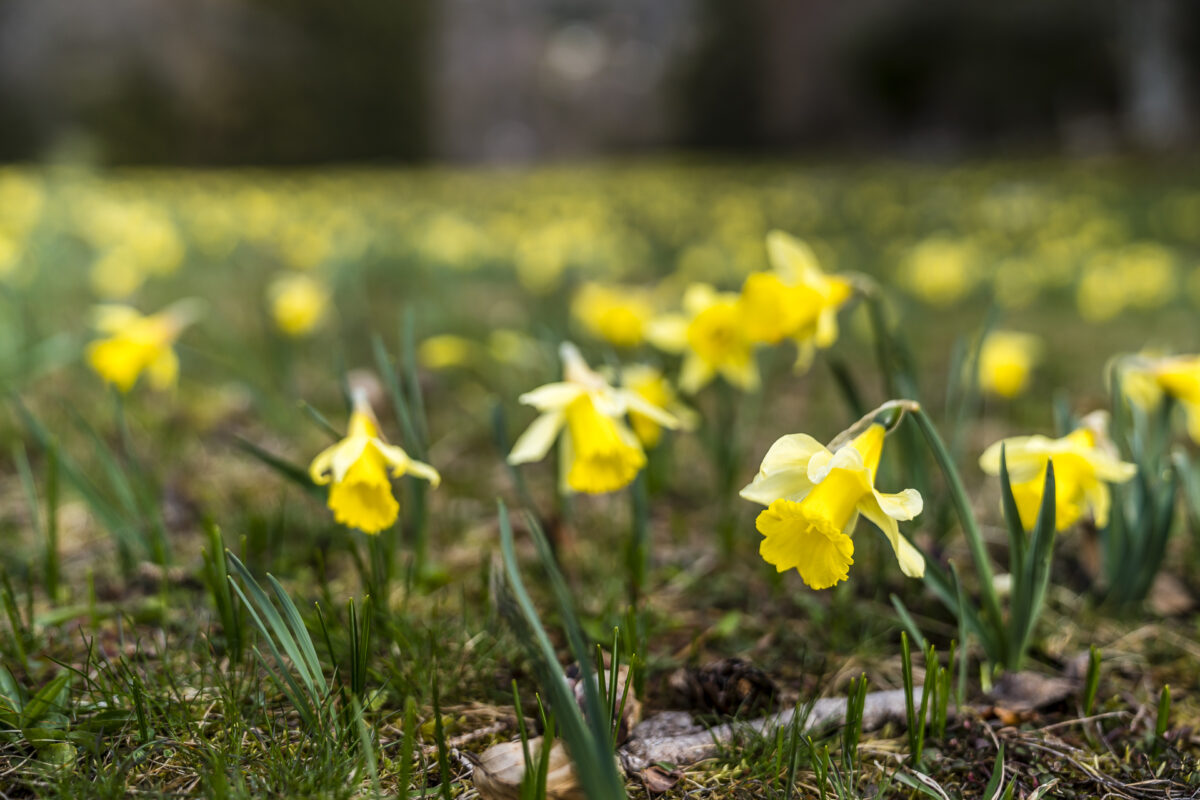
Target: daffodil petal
(912,563)
(319,469)
(904,505)
(535,442)
(668,333)
(636,402)
(695,374)
(345,454)
(419,469)
(164,369)
(552,395)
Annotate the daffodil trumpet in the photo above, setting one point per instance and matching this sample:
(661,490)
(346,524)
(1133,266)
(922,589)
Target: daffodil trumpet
(814,497)
(600,452)
(359,468)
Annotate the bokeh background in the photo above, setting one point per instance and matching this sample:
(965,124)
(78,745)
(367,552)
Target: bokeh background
(232,82)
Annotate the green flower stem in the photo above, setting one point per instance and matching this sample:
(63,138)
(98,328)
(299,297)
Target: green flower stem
(962,505)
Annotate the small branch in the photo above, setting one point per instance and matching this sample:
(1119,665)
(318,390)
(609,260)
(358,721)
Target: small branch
(653,741)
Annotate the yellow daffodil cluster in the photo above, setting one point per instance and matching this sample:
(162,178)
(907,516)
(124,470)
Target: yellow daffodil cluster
(358,470)
(1085,462)
(814,497)
(600,453)
(134,344)
(718,332)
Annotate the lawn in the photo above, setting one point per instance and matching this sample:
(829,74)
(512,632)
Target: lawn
(190,610)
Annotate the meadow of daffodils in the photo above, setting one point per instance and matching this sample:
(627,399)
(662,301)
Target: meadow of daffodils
(477,483)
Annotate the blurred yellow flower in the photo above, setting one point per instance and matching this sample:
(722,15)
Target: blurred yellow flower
(1006,362)
(711,334)
(814,497)
(357,467)
(1145,380)
(796,300)
(299,303)
(137,344)
(617,314)
(1085,462)
(446,350)
(940,270)
(600,453)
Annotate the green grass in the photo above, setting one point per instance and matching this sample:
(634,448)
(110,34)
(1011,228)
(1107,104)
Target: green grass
(134,667)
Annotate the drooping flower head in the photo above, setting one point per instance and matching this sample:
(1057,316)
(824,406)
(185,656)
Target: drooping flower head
(1085,462)
(814,497)
(796,300)
(135,344)
(712,335)
(599,451)
(299,303)
(616,314)
(1006,362)
(1145,380)
(357,470)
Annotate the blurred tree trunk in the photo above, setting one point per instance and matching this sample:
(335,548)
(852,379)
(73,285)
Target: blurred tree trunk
(1159,113)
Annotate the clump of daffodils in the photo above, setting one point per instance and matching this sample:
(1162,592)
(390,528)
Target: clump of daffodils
(136,343)
(796,300)
(600,453)
(1146,380)
(1085,462)
(814,496)
(299,303)
(359,469)
(1006,362)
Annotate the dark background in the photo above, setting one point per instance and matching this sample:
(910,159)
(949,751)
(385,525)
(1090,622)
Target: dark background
(212,82)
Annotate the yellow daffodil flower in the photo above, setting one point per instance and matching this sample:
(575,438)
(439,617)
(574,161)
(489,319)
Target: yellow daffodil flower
(1006,362)
(814,497)
(651,385)
(600,452)
(137,344)
(1085,462)
(357,467)
(299,303)
(616,314)
(446,351)
(796,300)
(712,336)
(1145,380)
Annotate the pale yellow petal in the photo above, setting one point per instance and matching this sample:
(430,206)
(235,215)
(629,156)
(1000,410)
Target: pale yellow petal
(535,442)
(552,396)
(668,333)
(912,563)
(695,374)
